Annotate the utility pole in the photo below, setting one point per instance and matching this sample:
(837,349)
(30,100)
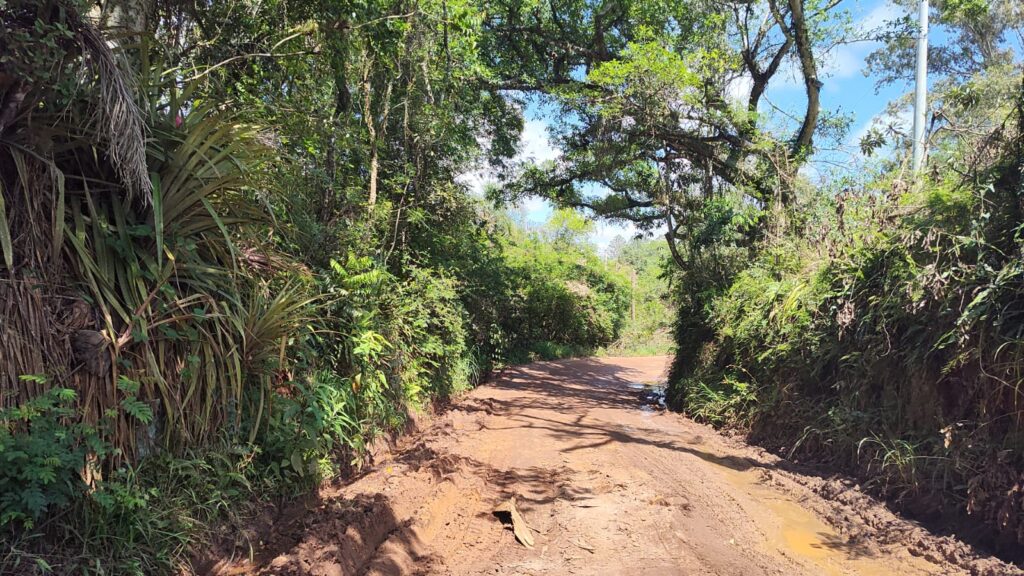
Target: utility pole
(921,87)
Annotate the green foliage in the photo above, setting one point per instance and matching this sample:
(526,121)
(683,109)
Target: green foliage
(725,402)
(649,117)
(889,346)
(972,39)
(435,362)
(48,452)
(242,239)
(316,425)
(146,519)
(42,453)
(647,328)
(562,293)
(259,311)
(547,350)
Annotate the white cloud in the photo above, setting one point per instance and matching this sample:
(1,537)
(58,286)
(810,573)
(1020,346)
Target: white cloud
(476,180)
(535,144)
(738,89)
(857,135)
(810,172)
(536,210)
(880,15)
(902,120)
(847,60)
(844,60)
(604,232)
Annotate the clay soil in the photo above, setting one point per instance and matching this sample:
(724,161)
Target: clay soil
(608,484)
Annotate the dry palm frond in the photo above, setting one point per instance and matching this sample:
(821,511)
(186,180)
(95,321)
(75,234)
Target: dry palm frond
(97,287)
(117,113)
(118,256)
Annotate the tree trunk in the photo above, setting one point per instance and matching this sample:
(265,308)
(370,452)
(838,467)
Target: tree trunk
(670,237)
(136,17)
(371,130)
(809,71)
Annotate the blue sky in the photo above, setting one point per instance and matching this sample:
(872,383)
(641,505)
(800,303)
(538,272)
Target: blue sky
(845,89)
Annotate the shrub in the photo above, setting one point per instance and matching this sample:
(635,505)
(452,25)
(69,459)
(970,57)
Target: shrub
(42,457)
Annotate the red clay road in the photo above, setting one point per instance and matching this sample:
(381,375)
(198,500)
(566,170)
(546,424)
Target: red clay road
(607,485)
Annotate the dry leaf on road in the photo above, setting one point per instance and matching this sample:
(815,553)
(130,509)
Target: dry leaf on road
(519,526)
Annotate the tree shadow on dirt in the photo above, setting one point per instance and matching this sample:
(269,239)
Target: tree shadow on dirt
(532,485)
(593,436)
(325,536)
(586,382)
(576,387)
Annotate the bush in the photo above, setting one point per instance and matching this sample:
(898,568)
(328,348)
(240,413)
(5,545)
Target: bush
(42,457)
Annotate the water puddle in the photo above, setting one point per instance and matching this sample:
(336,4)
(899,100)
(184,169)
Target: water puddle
(652,396)
(798,533)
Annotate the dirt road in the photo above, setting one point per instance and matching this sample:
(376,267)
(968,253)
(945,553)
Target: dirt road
(607,486)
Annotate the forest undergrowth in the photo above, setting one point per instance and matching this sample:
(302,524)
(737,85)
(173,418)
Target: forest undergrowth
(882,332)
(223,279)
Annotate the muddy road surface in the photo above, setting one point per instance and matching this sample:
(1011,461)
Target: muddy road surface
(605,484)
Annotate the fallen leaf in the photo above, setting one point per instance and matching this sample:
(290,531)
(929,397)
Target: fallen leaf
(519,526)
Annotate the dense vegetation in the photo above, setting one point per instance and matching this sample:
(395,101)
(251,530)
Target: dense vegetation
(871,320)
(235,252)
(885,338)
(647,330)
(236,247)
(880,331)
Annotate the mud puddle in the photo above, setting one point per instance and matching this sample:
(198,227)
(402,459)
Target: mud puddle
(652,396)
(794,531)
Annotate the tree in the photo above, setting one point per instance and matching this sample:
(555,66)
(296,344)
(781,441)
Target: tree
(974,69)
(391,95)
(662,103)
(975,39)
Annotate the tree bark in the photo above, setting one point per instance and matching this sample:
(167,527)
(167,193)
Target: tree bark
(809,70)
(371,130)
(670,237)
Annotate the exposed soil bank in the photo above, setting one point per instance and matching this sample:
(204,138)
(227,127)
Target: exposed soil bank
(608,483)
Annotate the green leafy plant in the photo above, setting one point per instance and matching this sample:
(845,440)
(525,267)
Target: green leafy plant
(43,452)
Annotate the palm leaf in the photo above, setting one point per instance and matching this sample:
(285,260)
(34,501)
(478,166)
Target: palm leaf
(5,232)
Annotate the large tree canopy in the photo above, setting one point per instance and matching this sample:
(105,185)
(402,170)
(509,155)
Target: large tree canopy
(662,103)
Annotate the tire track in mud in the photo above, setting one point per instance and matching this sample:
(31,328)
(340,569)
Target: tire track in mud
(608,486)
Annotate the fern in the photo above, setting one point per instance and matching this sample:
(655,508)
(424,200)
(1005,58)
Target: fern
(42,451)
